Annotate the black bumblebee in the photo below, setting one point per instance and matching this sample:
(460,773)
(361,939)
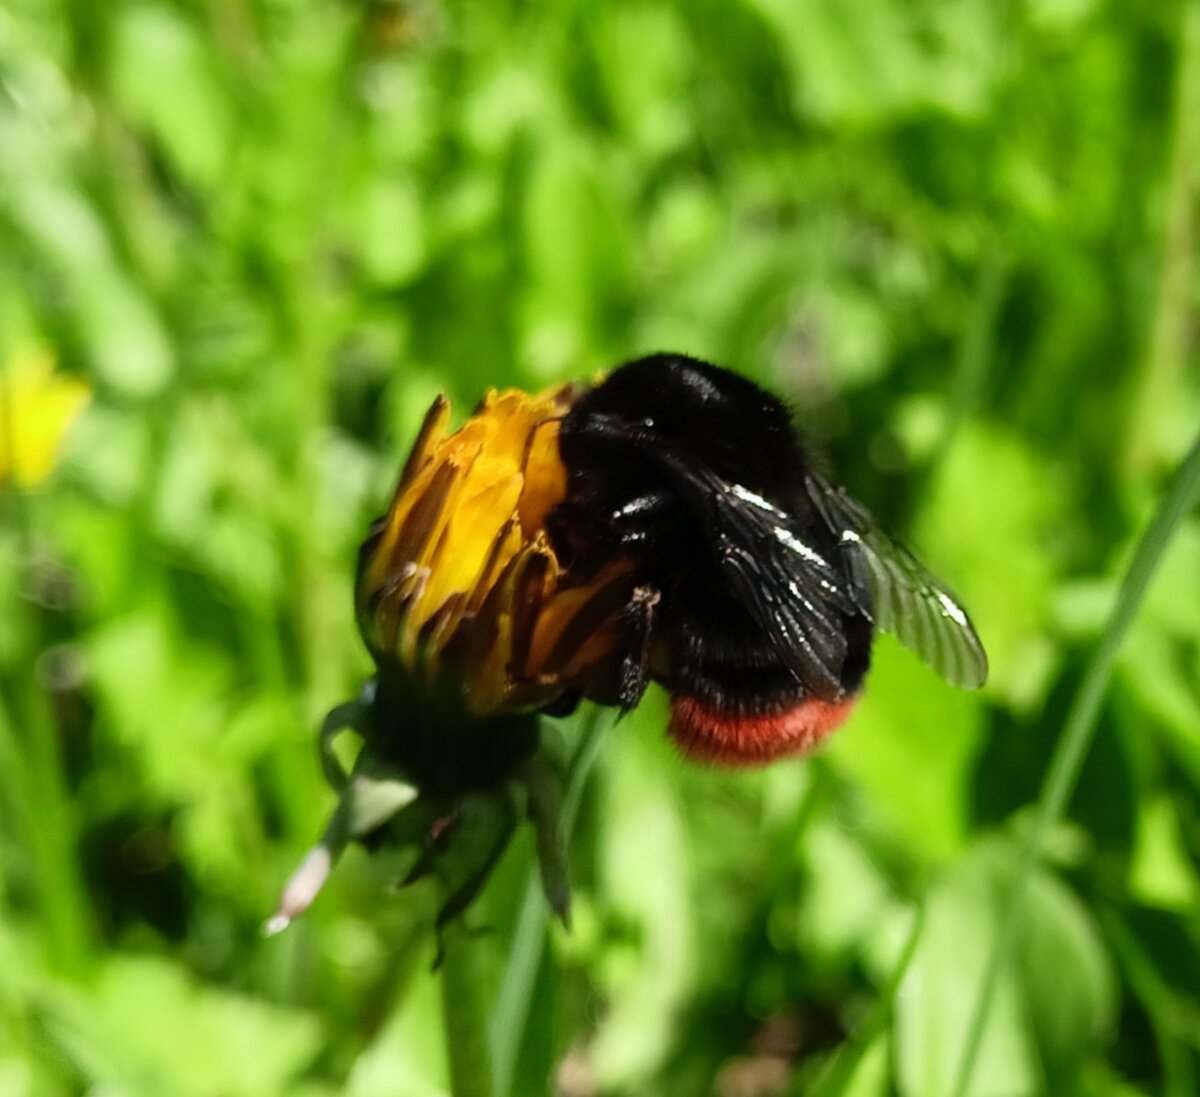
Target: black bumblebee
(759,586)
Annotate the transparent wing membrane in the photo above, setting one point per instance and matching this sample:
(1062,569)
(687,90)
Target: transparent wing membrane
(908,600)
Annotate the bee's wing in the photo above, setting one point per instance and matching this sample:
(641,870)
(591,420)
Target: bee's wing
(794,593)
(907,600)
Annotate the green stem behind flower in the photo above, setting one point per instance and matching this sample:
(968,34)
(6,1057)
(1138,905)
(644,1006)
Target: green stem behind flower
(465,1012)
(529,936)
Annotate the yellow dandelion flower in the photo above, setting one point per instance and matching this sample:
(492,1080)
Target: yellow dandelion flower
(37,408)
(459,590)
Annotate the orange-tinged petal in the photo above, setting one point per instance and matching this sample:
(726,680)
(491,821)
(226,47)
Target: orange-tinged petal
(577,625)
(489,653)
(545,477)
(459,583)
(432,432)
(409,533)
(478,512)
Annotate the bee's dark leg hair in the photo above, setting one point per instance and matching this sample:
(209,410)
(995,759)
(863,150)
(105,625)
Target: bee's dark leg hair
(635,667)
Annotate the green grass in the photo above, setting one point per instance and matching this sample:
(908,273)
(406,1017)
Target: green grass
(958,237)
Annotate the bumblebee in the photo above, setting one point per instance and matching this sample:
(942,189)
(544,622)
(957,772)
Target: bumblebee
(664,524)
(760,586)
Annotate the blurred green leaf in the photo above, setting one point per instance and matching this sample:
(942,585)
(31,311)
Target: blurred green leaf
(933,1008)
(151,1029)
(1162,874)
(1069,985)
(390,231)
(406,1056)
(891,58)
(568,285)
(1050,1009)
(167,79)
(994,512)
(128,347)
(910,745)
(843,897)
(646,61)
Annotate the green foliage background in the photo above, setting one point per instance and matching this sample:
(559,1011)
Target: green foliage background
(959,235)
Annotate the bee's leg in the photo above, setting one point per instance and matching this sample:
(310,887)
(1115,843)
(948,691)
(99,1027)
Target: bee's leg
(634,674)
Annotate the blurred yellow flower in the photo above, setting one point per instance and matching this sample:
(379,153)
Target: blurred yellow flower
(37,408)
(458,586)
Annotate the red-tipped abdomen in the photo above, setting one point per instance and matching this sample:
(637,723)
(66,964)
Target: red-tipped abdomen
(706,734)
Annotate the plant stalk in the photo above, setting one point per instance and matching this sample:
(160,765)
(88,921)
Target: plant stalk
(529,936)
(465,1012)
(1166,352)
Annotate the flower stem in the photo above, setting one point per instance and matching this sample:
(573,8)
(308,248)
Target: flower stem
(529,937)
(464,1012)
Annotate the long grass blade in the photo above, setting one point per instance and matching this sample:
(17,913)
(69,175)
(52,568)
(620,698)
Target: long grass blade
(1072,747)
